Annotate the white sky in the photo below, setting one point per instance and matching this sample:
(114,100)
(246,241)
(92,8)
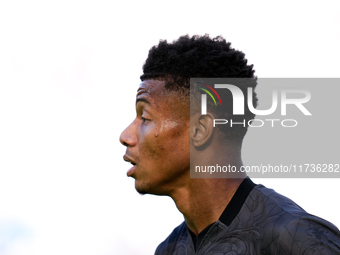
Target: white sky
(68,75)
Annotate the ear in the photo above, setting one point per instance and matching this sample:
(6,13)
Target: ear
(201,127)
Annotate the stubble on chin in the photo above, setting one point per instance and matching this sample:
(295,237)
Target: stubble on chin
(141,189)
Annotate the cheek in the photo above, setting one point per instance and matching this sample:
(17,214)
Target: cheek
(157,142)
(151,146)
(174,139)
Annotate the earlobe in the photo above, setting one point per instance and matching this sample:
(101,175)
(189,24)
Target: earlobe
(202,129)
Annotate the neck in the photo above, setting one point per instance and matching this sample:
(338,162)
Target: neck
(202,201)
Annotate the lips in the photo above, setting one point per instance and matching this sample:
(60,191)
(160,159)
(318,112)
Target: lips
(128,159)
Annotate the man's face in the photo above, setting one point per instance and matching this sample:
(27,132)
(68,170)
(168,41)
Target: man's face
(157,140)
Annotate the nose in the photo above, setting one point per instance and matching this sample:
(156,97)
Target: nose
(128,136)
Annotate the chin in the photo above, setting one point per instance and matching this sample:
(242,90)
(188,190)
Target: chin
(146,188)
(141,191)
(141,188)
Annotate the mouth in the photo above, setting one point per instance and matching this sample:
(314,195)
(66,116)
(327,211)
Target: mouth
(130,171)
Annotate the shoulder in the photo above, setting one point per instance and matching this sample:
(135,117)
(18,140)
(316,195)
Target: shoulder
(271,205)
(288,229)
(179,239)
(309,235)
(266,208)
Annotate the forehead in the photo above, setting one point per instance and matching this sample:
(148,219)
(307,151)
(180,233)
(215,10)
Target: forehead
(152,88)
(158,96)
(155,93)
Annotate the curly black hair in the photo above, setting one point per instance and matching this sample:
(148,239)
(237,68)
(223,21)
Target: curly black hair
(201,57)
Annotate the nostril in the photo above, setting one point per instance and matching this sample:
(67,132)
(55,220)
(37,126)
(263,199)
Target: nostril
(122,138)
(128,136)
(125,140)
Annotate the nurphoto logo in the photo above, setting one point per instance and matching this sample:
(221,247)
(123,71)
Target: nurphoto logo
(288,96)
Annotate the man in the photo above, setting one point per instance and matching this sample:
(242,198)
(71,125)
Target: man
(229,215)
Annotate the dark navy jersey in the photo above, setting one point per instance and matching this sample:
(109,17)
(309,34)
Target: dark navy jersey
(257,220)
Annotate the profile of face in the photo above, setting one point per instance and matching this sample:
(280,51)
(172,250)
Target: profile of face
(158,140)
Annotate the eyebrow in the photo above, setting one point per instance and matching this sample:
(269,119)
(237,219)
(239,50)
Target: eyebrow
(142,100)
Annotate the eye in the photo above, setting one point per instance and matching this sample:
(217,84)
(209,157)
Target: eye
(144,119)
